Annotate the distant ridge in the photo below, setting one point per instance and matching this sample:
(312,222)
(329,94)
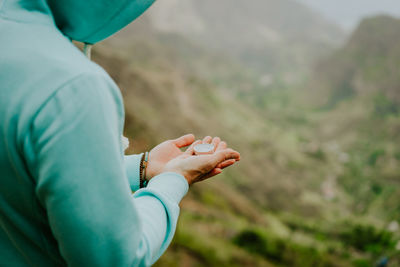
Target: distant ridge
(368,63)
(268,35)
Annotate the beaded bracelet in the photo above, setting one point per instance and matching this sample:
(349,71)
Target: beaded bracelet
(143,168)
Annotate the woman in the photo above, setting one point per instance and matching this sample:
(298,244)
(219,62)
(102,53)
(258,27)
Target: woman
(65,186)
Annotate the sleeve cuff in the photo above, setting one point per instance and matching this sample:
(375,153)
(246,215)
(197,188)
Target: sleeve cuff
(132,166)
(170,184)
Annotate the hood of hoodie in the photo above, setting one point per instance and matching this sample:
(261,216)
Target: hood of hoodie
(88,21)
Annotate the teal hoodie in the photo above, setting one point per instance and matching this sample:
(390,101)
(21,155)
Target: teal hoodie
(65,184)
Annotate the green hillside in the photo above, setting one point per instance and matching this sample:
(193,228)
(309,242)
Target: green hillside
(315,187)
(367,64)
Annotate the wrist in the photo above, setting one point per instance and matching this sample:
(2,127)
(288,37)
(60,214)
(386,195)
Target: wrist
(169,184)
(150,172)
(179,171)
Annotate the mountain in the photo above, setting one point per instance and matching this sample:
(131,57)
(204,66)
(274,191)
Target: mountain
(271,36)
(348,13)
(367,64)
(357,94)
(315,187)
(166,96)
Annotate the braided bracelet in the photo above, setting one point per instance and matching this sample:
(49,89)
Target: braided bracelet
(143,168)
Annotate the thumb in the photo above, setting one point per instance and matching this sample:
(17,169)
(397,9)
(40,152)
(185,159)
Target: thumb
(183,141)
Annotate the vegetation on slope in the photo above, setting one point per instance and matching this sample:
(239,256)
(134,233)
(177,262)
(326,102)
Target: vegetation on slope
(314,188)
(368,63)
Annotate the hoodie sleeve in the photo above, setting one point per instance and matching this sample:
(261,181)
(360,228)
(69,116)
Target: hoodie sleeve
(82,184)
(132,166)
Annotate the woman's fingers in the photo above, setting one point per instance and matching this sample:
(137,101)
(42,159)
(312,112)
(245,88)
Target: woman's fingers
(215,142)
(207,140)
(222,145)
(185,140)
(226,163)
(226,154)
(190,150)
(212,173)
(218,169)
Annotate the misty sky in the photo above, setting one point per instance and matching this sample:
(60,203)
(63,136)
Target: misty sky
(348,13)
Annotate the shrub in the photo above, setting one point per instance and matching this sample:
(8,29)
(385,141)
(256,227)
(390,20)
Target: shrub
(318,154)
(384,107)
(251,241)
(374,156)
(281,251)
(368,239)
(362,263)
(254,242)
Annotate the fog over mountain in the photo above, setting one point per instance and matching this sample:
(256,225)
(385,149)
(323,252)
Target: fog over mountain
(348,13)
(271,36)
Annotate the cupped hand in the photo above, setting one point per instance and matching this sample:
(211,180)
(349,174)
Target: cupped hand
(198,168)
(164,152)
